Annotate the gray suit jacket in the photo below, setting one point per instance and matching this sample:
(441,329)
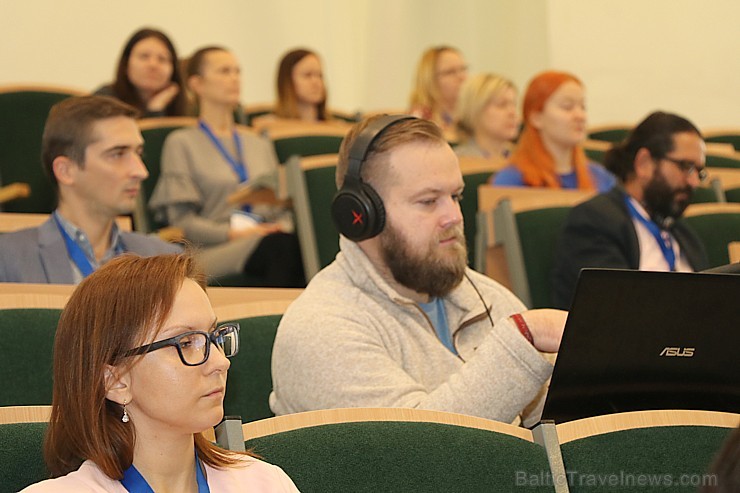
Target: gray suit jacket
(39,255)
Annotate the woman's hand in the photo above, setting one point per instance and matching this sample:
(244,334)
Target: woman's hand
(160,100)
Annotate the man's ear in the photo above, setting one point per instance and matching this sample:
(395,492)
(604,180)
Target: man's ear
(644,165)
(64,170)
(117,385)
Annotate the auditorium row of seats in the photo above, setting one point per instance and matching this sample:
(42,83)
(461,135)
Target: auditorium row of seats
(513,249)
(365,449)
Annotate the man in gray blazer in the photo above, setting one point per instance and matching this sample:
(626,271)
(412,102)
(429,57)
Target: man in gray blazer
(91,152)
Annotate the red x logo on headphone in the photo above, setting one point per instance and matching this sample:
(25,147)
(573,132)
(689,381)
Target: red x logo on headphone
(356,218)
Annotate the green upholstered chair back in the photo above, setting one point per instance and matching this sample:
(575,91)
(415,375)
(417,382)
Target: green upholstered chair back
(721,161)
(731,137)
(538,234)
(733,195)
(312,187)
(21,455)
(26,346)
(703,195)
(595,154)
(320,183)
(393,456)
(23,114)
(716,230)
(155,132)
(615,133)
(306,145)
(249,382)
(662,457)
(469,208)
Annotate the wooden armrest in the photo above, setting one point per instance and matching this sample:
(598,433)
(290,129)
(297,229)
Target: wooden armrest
(14,191)
(171,234)
(255,196)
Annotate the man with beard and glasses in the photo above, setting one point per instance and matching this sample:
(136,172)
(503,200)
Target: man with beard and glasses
(398,320)
(636,225)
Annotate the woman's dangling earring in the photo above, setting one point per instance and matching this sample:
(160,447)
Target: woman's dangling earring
(125,417)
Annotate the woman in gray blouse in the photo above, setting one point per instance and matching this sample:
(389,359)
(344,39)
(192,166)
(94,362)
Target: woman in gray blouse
(203,165)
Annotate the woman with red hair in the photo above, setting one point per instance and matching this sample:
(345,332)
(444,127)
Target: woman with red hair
(549,152)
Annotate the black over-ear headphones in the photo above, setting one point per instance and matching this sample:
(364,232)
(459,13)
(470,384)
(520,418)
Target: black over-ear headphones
(357,209)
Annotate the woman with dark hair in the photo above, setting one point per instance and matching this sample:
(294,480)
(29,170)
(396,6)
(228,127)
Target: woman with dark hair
(140,367)
(148,77)
(549,152)
(301,92)
(205,164)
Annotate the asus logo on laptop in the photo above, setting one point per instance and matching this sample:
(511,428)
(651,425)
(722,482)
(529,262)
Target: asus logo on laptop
(686,352)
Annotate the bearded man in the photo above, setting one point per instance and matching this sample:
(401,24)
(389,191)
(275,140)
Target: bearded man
(398,320)
(636,225)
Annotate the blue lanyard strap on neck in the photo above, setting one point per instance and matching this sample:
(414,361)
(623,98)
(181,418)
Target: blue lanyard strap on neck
(134,482)
(75,251)
(236,164)
(661,236)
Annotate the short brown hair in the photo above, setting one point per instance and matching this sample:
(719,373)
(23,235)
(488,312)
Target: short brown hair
(403,132)
(110,312)
(68,129)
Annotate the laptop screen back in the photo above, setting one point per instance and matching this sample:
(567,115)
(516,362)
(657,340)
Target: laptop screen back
(648,340)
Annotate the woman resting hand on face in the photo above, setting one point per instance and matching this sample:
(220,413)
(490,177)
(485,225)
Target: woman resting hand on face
(148,77)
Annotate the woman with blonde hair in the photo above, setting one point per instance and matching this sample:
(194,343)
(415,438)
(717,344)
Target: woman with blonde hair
(549,152)
(487,117)
(439,76)
(140,367)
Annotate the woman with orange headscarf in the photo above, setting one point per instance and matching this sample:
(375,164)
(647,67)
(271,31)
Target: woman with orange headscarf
(549,152)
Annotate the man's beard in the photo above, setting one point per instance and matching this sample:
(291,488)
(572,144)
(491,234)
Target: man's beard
(435,271)
(661,202)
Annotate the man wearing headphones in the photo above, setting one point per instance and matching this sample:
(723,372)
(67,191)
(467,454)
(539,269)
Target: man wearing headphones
(398,320)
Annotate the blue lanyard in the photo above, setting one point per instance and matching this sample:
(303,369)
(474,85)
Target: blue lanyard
(662,237)
(236,164)
(134,482)
(75,251)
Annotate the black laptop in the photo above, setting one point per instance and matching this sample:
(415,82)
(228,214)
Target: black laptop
(648,340)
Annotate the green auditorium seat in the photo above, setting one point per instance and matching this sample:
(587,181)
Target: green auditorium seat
(724,136)
(249,382)
(21,455)
(476,172)
(155,132)
(717,225)
(526,222)
(609,133)
(26,346)
(404,451)
(651,451)
(23,112)
(311,186)
(723,161)
(306,139)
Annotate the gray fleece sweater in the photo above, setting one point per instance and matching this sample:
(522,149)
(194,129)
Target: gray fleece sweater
(350,340)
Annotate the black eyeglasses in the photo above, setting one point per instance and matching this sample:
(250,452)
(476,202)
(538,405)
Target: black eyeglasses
(194,347)
(689,167)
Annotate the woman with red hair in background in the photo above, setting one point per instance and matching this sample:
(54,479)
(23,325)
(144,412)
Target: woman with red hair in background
(549,152)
